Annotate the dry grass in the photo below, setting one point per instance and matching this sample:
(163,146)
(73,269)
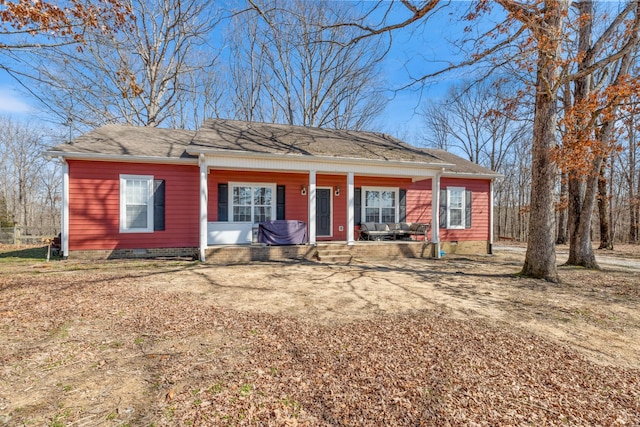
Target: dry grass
(179,343)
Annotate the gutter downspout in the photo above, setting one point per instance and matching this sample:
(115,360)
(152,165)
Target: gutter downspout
(64,228)
(435,213)
(204,196)
(491,196)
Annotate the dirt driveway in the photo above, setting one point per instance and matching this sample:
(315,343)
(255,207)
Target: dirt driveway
(596,313)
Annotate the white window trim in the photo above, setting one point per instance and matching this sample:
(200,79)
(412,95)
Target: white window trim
(464,208)
(123,204)
(271,185)
(363,203)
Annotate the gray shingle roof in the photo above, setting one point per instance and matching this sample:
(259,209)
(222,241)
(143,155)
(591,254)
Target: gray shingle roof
(462,166)
(223,135)
(219,135)
(121,140)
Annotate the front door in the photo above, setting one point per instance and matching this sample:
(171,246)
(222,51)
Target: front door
(323,212)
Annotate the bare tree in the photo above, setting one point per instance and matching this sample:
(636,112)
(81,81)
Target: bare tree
(288,69)
(591,120)
(480,120)
(148,76)
(22,170)
(540,30)
(629,172)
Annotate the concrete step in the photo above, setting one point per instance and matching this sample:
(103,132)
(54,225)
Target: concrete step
(335,258)
(334,254)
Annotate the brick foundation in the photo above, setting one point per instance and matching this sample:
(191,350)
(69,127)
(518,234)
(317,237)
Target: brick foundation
(135,253)
(465,248)
(241,254)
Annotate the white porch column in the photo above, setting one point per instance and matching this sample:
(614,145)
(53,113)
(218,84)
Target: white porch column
(64,231)
(204,196)
(435,214)
(312,207)
(350,209)
(491,217)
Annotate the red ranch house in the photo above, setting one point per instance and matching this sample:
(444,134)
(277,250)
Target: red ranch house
(131,191)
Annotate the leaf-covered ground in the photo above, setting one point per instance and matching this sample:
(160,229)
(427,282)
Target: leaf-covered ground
(130,343)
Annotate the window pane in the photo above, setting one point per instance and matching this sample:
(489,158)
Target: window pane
(242,196)
(455,199)
(388,199)
(262,213)
(262,196)
(137,191)
(388,215)
(136,204)
(242,213)
(136,216)
(372,198)
(371,215)
(455,217)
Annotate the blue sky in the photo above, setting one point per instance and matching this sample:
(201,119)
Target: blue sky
(415,50)
(12,102)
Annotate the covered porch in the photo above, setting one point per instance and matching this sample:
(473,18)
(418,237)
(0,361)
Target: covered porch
(331,195)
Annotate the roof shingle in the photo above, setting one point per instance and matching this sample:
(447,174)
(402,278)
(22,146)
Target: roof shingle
(223,135)
(220,135)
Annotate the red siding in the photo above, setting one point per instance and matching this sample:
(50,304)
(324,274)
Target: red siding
(296,204)
(419,203)
(94,206)
(480,210)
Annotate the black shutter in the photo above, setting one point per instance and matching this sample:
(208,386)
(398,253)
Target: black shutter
(357,206)
(223,202)
(403,206)
(158,204)
(467,209)
(443,208)
(280,202)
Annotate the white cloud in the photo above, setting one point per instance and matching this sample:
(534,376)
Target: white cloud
(10,102)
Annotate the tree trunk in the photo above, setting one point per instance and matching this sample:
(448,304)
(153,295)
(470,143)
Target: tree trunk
(583,251)
(575,199)
(562,211)
(582,189)
(633,195)
(540,259)
(603,209)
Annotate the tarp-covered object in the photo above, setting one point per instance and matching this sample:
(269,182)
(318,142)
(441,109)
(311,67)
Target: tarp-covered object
(282,232)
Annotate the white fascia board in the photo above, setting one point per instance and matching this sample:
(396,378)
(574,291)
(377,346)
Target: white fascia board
(491,176)
(119,158)
(324,164)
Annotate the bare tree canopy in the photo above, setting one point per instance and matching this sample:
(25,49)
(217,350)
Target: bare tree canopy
(147,76)
(480,120)
(29,185)
(290,66)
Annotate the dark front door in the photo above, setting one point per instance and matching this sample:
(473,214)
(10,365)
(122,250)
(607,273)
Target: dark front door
(323,212)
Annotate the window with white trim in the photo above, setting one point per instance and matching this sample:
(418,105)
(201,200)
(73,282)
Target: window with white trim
(136,204)
(456,207)
(380,204)
(252,202)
